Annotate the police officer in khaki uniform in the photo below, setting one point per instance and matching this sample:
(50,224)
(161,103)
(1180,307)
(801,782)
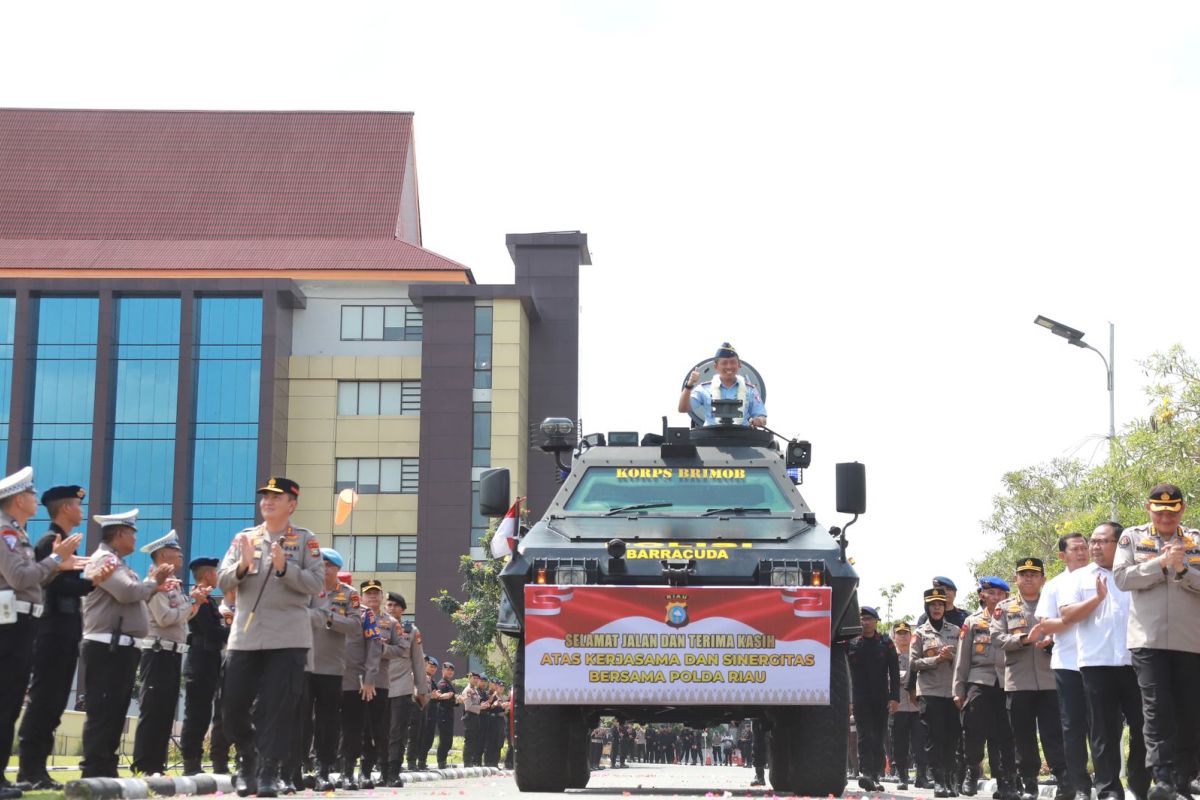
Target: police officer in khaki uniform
(408,685)
(360,680)
(162,659)
(934,644)
(334,614)
(907,733)
(979,693)
(115,621)
(275,568)
(21,581)
(377,714)
(1158,563)
(1029,680)
(472,730)
(56,648)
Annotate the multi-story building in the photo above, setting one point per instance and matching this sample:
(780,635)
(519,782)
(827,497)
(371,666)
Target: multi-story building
(192,301)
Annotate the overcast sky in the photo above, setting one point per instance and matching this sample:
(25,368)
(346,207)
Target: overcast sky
(872,201)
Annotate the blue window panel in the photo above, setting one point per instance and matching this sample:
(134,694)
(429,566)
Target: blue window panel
(8,312)
(63,394)
(228,367)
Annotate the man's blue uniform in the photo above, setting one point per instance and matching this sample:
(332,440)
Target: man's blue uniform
(702,402)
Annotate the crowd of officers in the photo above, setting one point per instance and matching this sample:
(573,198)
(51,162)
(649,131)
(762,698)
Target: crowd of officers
(278,655)
(672,744)
(1111,643)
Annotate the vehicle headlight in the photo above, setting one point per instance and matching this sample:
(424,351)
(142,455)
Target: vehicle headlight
(785,576)
(571,575)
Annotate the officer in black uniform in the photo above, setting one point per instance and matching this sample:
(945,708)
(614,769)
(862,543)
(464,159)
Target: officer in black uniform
(445,698)
(207,634)
(424,723)
(875,679)
(56,648)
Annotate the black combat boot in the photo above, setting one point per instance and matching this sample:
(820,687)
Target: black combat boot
(322,782)
(246,780)
(367,781)
(902,777)
(939,784)
(1064,790)
(268,778)
(970,784)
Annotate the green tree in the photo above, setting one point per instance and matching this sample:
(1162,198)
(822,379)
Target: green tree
(475,618)
(889,595)
(1040,503)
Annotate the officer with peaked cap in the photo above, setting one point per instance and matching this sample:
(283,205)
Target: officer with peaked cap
(21,581)
(115,620)
(907,734)
(207,634)
(333,614)
(1029,680)
(979,694)
(697,398)
(162,659)
(377,713)
(932,652)
(360,682)
(408,686)
(875,677)
(275,568)
(1158,563)
(56,648)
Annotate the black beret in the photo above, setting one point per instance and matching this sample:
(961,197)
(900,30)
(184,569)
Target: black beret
(398,599)
(197,563)
(62,493)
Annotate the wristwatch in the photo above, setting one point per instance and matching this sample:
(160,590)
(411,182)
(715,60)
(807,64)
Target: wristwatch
(55,557)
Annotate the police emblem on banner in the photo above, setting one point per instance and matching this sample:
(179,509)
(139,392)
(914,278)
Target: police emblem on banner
(677,612)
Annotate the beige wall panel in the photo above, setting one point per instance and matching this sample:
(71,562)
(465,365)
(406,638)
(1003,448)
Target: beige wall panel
(298,367)
(402,431)
(366,368)
(358,429)
(343,367)
(320,367)
(506,356)
(310,454)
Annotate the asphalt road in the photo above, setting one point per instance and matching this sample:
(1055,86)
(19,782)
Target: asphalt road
(639,780)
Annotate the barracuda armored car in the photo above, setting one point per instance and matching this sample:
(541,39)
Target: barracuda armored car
(680,578)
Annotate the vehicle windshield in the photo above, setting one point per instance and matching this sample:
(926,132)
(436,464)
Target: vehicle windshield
(689,490)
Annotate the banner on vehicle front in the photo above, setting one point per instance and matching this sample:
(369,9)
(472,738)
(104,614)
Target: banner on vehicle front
(664,645)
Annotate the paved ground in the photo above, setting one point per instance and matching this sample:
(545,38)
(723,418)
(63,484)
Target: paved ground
(639,780)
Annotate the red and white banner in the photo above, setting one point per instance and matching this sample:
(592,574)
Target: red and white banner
(662,645)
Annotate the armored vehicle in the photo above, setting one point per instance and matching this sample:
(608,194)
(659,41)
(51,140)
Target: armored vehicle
(680,577)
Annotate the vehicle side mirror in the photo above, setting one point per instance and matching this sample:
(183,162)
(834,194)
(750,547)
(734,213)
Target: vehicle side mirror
(493,493)
(851,488)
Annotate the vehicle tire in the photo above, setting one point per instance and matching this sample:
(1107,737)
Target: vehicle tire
(816,737)
(540,736)
(579,743)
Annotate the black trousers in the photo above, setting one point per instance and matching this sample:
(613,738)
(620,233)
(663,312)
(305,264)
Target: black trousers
(401,713)
(428,731)
(16,643)
(908,742)
(985,722)
(55,654)
(1034,714)
(1073,710)
(445,731)
(157,698)
(493,738)
(939,717)
(201,675)
(871,716)
(416,736)
(108,685)
(1114,699)
(321,723)
(1170,697)
(472,740)
(375,731)
(354,712)
(266,685)
(760,750)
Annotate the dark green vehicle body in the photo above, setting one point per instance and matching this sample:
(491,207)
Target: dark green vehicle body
(765,525)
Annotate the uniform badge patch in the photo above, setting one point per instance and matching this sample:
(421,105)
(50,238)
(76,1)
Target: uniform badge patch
(354,600)
(11,540)
(314,547)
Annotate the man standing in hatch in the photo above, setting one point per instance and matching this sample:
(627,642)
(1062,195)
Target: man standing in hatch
(696,398)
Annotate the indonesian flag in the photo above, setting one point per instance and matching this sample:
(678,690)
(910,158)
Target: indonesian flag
(504,540)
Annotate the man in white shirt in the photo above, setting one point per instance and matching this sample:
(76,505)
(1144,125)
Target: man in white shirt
(1072,705)
(1098,612)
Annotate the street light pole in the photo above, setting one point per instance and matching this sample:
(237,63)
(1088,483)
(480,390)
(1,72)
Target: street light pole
(1075,337)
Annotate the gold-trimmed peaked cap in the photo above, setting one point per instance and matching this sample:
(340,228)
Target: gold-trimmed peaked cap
(935,594)
(279,485)
(901,627)
(1165,497)
(1031,565)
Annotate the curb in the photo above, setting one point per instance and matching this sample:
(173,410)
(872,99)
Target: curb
(145,788)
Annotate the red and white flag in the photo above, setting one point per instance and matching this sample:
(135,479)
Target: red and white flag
(504,541)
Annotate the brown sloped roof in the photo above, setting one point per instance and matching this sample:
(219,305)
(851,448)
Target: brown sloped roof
(190,175)
(223,255)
